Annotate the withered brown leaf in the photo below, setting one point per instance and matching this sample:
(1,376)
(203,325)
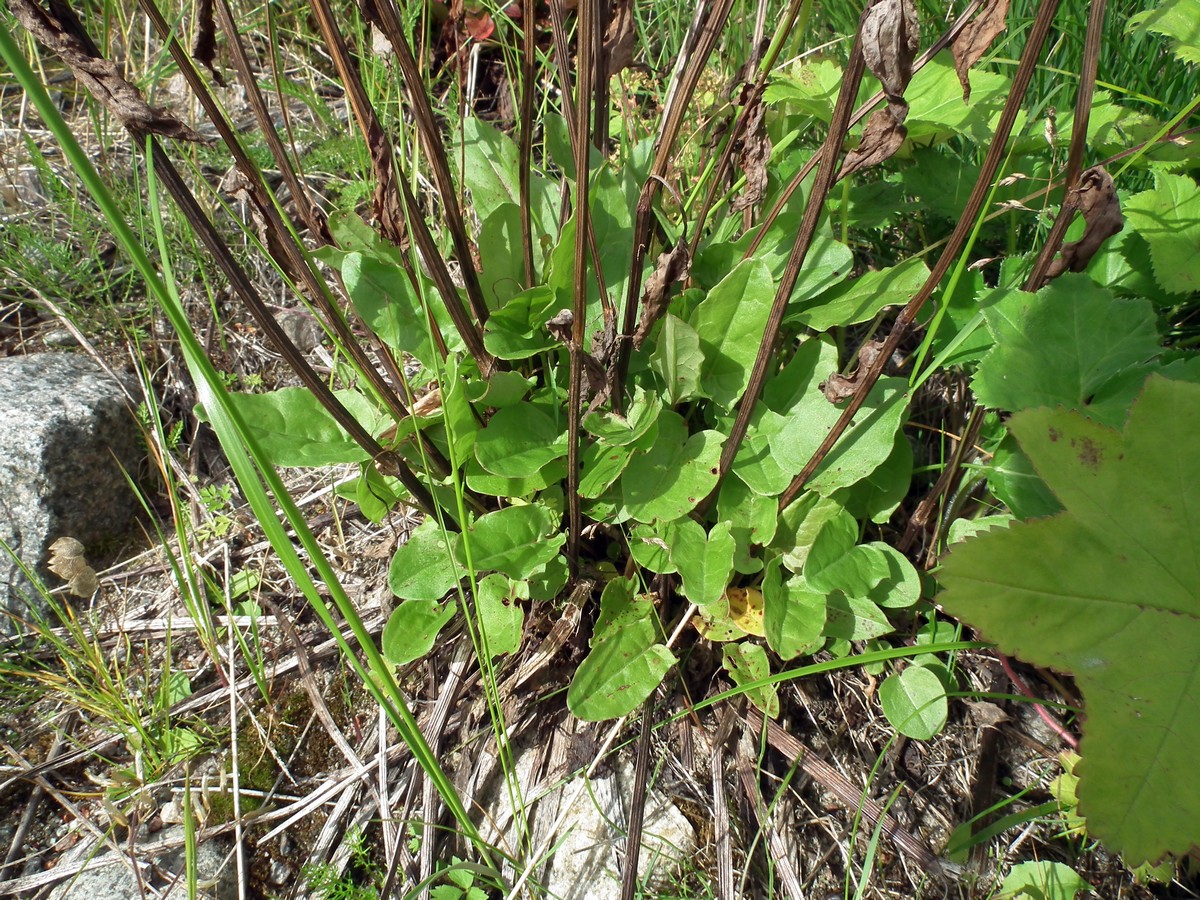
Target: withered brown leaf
(60,30)
(68,563)
(560,325)
(1096,199)
(620,38)
(204,47)
(882,136)
(890,35)
(672,266)
(973,41)
(838,387)
(754,156)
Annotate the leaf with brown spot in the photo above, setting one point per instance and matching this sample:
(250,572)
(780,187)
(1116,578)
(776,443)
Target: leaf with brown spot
(672,266)
(1096,199)
(882,136)
(1106,591)
(890,35)
(60,30)
(975,39)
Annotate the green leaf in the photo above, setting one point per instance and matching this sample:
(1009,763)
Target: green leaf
(1168,217)
(812,87)
(937,112)
(500,390)
(1067,345)
(383,297)
(746,664)
(878,495)
(677,359)
(294,429)
(827,262)
(860,299)
(705,563)
(793,614)
(1091,591)
(352,233)
(674,475)
(412,629)
(961,529)
(558,143)
(520,439)
(730,323)
(754,519)
(803,523)
(547,581)
(500,615)
(503,275)
(1042,880)
(794,417)
(1176,19)
(458,418)
(617,430)
(423,567)
(620,607)
(649,549)
(1123,265)
(514,540)
(914,701)
(901,586)
(612,223)
(854,619)
(599,466)
(626,662)
(518,329)
(376,494)
(491,175)
(619,673)
(855,572)
(484,482)
(1012,479)
(834,534)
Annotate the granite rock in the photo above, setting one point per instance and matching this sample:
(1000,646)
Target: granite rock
(105,874)
(65,434)
(588,839)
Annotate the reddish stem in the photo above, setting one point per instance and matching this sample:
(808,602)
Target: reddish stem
(1054,724)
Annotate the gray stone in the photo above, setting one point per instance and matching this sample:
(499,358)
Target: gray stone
(589,840)
(64,425)
(106,875)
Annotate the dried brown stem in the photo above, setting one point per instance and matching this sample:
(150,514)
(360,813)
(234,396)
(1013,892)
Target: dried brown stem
(826,174)
(859,114)
(585,51)
(991,165)
(702,37)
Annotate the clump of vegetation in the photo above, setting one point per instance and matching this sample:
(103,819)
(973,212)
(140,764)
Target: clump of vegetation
(727,383)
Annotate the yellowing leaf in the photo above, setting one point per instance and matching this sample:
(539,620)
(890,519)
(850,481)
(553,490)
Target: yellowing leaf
(737,614)
(746,610)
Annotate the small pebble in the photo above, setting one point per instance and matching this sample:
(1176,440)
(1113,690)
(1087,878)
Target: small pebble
(59,337)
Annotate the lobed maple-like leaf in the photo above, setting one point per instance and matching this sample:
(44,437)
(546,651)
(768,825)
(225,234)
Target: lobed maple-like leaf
(1168,217)
(1109,590)
(1178,20)
(1072,343)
